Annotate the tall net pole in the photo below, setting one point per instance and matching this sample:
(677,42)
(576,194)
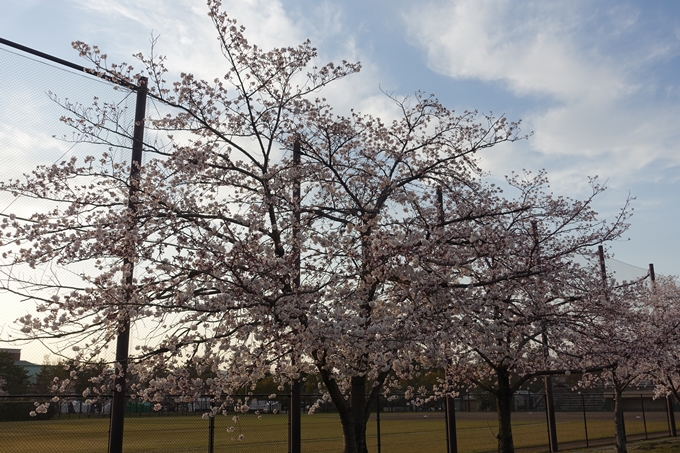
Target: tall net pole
(295,435)
(123,342)
(547,380)
(449,401)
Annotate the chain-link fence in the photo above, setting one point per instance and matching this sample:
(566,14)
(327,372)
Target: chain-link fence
(34,96)
(77,425)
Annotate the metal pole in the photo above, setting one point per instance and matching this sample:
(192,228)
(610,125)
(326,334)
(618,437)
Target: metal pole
(549,404)
(469,406)
(603,270)
(377,420)
(440,206)
(211,435)
(123,342)
(644,419)
(623,421)
(547,380)
(295,434)
(449,404)
(451,441)
(603,267)
(289,423)
(585,420)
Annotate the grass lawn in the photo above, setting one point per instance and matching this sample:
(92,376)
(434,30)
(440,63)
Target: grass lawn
(400,433)
(666,445)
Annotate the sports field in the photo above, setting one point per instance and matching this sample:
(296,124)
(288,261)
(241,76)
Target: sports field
(400,432)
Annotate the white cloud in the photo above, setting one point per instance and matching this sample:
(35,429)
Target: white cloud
(189,39)
(530,46)
(587,62)
(187,35)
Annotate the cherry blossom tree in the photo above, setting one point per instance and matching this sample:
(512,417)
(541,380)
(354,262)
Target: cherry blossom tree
(372,178)
(513,308)
(621,340)
(662,302)
(657,324)
(221,261)
(210,237)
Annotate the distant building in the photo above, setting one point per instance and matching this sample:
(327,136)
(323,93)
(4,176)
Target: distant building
(14,353)
(32,368)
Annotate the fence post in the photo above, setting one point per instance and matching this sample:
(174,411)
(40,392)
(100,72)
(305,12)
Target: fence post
(644,419)
(585,420)
(211,434)
(451,441)
(377,420)
(294,435)
(550,407)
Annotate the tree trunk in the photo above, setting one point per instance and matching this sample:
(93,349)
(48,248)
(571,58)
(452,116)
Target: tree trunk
(618,422)
(349,444)
(503,407)
(358,408)
(353,413)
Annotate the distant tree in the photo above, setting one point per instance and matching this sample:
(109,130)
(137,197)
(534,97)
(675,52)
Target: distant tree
(663,303)
(45,377)
(15,380)
(69,376)
(638,334)
(622,340)
(267,386)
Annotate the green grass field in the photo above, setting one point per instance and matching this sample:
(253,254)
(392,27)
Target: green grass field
(400,432)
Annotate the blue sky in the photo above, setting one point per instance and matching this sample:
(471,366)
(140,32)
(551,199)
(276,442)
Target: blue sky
(594,80)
